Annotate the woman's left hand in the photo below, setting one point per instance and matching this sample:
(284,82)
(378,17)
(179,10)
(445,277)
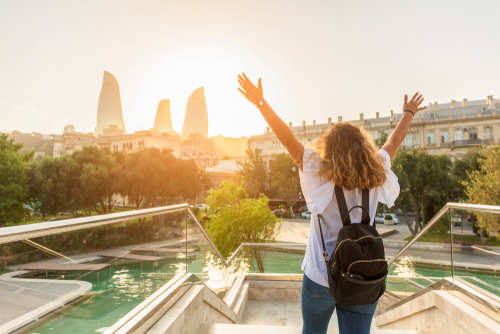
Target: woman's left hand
(248,89)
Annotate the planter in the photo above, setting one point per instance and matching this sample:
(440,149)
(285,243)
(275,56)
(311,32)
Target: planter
(388,222)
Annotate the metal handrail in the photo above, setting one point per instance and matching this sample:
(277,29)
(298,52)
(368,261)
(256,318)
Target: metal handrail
(23,232)
(442,212)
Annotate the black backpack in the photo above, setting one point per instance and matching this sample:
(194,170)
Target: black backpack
(357,268)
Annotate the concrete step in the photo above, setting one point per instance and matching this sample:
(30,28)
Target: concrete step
(253,329)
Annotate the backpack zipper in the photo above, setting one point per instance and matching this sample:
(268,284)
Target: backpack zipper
(376,260)
(366,236)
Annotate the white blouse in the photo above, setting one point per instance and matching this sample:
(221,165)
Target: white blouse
(319,195)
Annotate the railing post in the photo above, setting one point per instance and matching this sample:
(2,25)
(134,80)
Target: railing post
(451,242)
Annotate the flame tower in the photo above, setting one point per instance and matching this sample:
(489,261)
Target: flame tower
(196,118)
(163,119)
(109,108)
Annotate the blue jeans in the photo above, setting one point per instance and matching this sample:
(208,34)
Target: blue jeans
(318,306)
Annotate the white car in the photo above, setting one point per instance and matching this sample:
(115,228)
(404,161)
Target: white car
(394,218)
(305,214)
(201,207)
(379,218)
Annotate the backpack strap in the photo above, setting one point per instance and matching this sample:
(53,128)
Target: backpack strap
(365,201)
(344,213)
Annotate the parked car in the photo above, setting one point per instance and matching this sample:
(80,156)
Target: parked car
(394,218)
(456,219)
(303,208)
(282,213)
(379,218)
(279,212)
(306,215)
(201,207)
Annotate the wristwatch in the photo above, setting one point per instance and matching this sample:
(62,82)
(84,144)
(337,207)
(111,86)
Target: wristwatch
(261,103)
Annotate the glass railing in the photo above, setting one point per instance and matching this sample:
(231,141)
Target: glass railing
(275,258)
(82,275)
(453,244)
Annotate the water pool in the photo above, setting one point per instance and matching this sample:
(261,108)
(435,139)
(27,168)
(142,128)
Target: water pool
(115,294)
(281,262)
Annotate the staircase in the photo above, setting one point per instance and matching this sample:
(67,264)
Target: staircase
(255,329)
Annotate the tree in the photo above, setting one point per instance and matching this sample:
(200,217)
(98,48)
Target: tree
(463,168)
(484,188)
(237,219)
(100,177)
(13,180)
(425,181)
(54,185)
(134,173)
(284,177)
(380,141)
(252,172)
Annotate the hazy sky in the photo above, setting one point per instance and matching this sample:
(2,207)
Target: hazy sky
(317,59)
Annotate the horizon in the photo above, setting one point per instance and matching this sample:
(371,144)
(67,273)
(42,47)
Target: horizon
(317,60)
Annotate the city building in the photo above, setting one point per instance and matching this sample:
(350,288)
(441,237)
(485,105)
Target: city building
(163,119)
(202,161)
(68,143)
(221,146)
(447,128)
(62,143)
(217,174)
(109,107)
(112,130)
(217,146)
(196,117)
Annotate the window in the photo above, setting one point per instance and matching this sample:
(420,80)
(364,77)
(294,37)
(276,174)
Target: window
(418,138)
(409,140)
(488,133)
(459,135)
(444,137)
(431,138)
(472,133)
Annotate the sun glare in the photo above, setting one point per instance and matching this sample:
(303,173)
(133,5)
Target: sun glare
(175,73)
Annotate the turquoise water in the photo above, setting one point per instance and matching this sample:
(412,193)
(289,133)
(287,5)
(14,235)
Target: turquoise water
(289,263)
(115,294)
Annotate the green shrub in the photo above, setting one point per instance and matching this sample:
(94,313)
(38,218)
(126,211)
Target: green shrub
(388,217)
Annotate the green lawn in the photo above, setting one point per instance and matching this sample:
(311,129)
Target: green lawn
(442,237)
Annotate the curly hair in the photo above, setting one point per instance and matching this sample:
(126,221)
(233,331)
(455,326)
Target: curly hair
(350,157)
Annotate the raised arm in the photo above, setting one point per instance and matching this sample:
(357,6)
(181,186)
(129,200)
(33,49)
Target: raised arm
(410,109)
(280,129)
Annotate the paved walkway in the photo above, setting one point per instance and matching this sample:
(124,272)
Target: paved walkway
(280,313)
(297,231)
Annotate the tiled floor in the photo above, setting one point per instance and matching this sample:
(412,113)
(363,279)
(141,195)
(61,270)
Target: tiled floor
(278,313)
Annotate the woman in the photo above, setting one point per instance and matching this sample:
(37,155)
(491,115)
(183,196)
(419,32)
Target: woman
(346,156)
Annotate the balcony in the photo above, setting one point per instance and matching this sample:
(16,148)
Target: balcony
(470,142)
(157,271)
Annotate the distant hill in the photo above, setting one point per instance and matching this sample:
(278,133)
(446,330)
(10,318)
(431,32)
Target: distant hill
(33,142)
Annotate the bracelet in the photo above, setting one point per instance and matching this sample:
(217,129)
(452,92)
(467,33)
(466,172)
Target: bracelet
(410,112)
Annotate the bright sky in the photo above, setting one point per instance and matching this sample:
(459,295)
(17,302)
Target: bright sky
(317,59)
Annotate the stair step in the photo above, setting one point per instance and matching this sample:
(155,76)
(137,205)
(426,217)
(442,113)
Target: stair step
(254,329)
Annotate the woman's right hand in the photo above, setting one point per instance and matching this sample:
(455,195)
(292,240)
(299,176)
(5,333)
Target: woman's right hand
(248,89)
(414,104)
